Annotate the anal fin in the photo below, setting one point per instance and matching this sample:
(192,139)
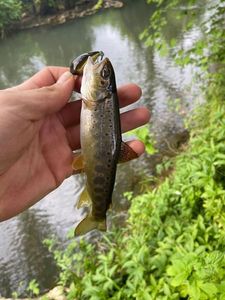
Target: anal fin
(84,200)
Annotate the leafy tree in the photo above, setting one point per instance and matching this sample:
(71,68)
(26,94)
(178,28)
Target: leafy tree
(41,7)
(69,4)
(46,7)
(10,11)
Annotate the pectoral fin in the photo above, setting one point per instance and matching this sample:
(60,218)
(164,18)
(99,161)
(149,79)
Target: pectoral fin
(78,163)
(88,224)
(126,153)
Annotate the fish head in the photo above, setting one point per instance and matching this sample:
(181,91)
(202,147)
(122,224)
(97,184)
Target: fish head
(98,82)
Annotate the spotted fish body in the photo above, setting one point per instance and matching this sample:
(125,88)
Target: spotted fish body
(100,135)
(100,143)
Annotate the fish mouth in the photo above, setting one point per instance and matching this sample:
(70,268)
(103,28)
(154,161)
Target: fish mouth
(100,56)
(77,64)
(97,59)
(97,62)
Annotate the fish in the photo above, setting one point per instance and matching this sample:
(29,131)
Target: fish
(100,135)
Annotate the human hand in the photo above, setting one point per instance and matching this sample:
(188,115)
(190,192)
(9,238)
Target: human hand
(39,129)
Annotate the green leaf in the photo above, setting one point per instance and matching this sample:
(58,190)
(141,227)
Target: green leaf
(209,288)
(179,279)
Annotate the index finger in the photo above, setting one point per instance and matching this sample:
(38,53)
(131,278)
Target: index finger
(45,77)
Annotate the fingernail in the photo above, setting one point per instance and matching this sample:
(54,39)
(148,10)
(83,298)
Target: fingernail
(64,77)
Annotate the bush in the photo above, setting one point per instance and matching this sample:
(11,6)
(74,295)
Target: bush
(10,11)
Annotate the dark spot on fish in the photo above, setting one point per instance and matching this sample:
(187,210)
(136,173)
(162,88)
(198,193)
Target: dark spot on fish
(97,156)
(101,153)
(99,168)
(98,207)
(98,190)
(99,203)
(99,180)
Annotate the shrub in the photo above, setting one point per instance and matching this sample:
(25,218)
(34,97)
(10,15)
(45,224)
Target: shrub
(10,11)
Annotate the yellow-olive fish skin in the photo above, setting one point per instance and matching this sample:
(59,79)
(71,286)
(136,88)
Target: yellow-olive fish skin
(100,138)
(100,135)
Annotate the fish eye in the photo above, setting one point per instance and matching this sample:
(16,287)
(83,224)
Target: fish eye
(105,73)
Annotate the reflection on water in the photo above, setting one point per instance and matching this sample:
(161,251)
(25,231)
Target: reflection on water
(22,254)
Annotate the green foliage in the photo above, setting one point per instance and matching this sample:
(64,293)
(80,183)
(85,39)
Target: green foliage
(10,11)
(207,50)
(144,134)
(98,5)
(173,246)
(33,288)
(174,242)
(15,295)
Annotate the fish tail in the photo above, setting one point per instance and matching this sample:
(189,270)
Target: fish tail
(90,223)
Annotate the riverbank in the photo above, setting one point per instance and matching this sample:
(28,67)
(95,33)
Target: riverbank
(173,246)
(57,293)
(83,9)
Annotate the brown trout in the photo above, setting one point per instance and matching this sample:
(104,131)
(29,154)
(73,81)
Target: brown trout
(100,134)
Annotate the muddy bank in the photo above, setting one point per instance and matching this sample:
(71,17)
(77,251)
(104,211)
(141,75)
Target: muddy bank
(56,293)
(82,9)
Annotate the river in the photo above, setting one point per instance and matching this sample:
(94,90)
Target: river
(23,256)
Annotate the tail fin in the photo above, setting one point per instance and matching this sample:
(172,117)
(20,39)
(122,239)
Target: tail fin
(88,224)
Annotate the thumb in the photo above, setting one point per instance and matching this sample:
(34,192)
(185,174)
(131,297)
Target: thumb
(37,103)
